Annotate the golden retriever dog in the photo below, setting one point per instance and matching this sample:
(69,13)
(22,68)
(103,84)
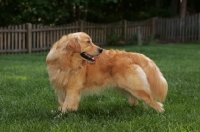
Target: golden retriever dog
(76,66)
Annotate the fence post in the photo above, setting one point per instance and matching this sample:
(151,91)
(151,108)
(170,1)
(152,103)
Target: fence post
(28,37)
(139,35)
(199,27)
(182,25)
(154,26)
(81,25)
(125,30)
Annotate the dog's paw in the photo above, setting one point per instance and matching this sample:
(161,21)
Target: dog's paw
(59,108)
(160,109)
(133,101)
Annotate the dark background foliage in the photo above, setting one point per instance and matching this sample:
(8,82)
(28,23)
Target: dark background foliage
(59,12)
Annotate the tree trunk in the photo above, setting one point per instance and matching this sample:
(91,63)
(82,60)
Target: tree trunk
(183,8)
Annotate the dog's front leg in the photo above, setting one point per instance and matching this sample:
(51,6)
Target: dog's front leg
(72,99)
(61,98)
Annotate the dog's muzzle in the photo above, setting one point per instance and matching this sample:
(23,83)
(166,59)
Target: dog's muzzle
(90,58)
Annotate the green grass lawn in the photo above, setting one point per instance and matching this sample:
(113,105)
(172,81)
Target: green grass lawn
(28,102)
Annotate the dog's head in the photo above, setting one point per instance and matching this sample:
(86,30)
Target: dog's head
(81,43)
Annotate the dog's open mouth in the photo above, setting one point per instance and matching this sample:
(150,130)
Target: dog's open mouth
(88,57)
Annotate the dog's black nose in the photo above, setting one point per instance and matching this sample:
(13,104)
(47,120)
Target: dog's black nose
(100,50)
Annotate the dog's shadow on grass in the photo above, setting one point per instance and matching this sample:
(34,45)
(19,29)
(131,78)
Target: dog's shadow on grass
(108,112)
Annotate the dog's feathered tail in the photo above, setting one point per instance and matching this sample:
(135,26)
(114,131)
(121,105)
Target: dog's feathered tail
(158,84)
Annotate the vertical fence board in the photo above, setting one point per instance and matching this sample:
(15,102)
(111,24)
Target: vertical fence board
(188,28)
(1,40)
(192,28)
(12,38)
(5,40)
(16,38)
(172,29)
(19,38)
(196,27)
(34,37)
(41,37)
(154,26)
(28,42)
(162,31)
(199,27)
(180,29)
(8,39)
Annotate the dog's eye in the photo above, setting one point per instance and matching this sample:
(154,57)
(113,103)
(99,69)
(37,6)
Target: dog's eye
(88,41)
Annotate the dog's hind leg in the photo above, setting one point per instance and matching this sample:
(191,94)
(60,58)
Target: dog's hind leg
(148,99)
(131,99)
(135,82)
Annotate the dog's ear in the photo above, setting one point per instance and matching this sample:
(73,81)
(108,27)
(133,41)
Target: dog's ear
(73,43)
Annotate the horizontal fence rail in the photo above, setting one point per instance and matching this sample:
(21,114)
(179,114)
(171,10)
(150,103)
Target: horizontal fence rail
(27,38)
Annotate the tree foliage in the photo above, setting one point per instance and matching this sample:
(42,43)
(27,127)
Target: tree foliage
(102,11)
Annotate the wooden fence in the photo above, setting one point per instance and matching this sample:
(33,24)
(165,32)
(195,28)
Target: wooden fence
(179,30)
(35,38)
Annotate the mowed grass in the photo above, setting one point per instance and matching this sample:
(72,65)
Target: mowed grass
(28,102)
